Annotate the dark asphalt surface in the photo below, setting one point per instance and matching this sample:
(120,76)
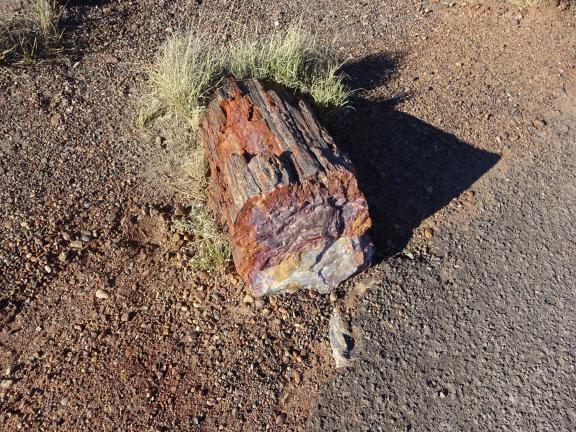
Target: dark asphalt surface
(480,334)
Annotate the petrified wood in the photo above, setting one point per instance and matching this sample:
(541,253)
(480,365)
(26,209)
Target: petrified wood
(288,198)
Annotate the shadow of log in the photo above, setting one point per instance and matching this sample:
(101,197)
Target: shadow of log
(407,169)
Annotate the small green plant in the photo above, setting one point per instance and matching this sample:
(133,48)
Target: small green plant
(31,34)
(211,247)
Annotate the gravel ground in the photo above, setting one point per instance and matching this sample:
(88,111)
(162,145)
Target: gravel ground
(463,140)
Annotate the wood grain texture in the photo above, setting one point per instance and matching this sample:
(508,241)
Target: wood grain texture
(288,198)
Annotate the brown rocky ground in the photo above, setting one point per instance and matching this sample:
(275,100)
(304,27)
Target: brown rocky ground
(87,207)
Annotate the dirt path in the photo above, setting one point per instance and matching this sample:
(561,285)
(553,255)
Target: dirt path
(452,95)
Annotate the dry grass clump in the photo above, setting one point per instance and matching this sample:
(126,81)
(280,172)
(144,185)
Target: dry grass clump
(186,69)
(212,250)
(190,65)
(293,58)
(31,34)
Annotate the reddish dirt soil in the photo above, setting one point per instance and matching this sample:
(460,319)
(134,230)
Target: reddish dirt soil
(86,206)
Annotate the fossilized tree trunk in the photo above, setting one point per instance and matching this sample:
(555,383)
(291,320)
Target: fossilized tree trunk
(287,197)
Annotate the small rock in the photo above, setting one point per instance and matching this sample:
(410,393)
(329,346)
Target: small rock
(76,244)
(6,383)
(428,233)
(248,299)
(539,123)
(110,59)
(55,119)
(280,419)
(203,275)
(63,256)
(66,236)
(102,294)
(176,237)
(260,303)
(179,211)
(47,269)
(333,296)
(64,401)
(125,317)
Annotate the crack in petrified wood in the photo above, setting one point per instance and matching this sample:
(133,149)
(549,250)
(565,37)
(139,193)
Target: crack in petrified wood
(287,197)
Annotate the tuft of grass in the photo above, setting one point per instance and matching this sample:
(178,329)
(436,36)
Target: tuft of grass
(212,250)
(190,65)
(187,69)
(293,58)
(31,34)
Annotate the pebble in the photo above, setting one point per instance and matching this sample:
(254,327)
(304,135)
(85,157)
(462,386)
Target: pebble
(203,275)
(63,256)
(428,233)
(333,297)
(179,211)
(76,244)
(539,123)
(248,299)
(6,383)
(125,317)
(47,269)
(110,59)
(55,119)
(102,294)
(280,419)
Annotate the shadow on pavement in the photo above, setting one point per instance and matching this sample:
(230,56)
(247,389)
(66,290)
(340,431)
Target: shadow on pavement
(407,168)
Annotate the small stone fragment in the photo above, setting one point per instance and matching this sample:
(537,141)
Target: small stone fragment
(539,123)
(102,294)
(341,340)
(280,419)
(333,296)
(6,383)
(179,211)
(428,233)
(55,119)
(110,59)
(76,244)
(248,299)
(125,317)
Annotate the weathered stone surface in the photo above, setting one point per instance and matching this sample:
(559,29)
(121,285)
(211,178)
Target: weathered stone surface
(287,197)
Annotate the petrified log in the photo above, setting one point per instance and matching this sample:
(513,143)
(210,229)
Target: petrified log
(288,198)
